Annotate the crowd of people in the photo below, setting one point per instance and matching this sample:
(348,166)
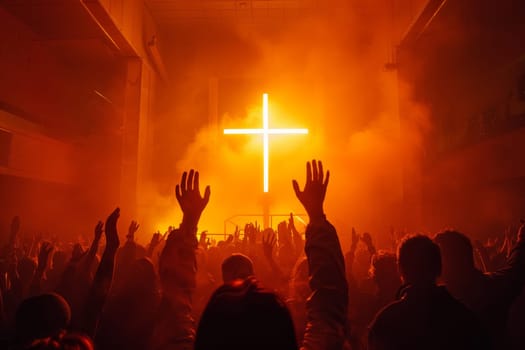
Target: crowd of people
(261,288)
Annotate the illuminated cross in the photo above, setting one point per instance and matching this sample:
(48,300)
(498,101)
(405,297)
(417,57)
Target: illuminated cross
(265,131)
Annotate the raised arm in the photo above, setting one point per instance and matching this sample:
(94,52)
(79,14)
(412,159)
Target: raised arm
(367,240)
(43,260)
(88,258)
(268,245)
(350,254)
(103,277)
(133,228)
(190,200)
(509,281)
(155,241)
(296,236)
(175,328)
(327,305)
(14,229)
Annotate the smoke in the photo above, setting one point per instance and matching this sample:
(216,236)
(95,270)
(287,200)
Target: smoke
(323,71)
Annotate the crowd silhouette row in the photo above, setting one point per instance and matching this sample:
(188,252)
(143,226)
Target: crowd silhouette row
(261,289)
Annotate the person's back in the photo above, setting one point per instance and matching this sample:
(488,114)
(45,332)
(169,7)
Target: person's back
(243,315)
(488,295)
(426,316)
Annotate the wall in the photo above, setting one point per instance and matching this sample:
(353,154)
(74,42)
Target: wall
(464,64)
(64,136)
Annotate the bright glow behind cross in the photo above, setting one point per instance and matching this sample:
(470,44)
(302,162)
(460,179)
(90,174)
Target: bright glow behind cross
(265,131)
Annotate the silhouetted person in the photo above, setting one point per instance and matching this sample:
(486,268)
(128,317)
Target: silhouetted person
(243,315)
(127,254)
(327,305)
(489,295)
(175,328)
(426,316)
(384,276)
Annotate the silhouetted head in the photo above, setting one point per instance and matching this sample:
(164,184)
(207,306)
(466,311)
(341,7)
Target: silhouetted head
(142,280)
(384,271)
(457,254)
(419,260)
(237,266)
(243,315)
(144,270)
(42,316)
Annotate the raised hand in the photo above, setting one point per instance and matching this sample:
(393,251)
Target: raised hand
(133,227)
(250,233)
(99,229)
(190,200)
(203,239)
(112,240)
(15,227)
(268,243)
(291,224)
(367,239)
(43,256)
(77,253)
(312,197)
(236,234)
(355,240)
(155,239)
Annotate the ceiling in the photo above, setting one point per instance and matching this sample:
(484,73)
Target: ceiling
(54,19)
(65,26)
(168,12)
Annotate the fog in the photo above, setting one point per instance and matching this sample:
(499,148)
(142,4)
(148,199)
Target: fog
(323,71)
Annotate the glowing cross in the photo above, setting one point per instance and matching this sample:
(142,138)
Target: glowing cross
(265,131)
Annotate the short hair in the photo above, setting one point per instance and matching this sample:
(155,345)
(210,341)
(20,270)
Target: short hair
(243,315)
(384,263)
(42,316)
(456,248)
(236,266)
(419,260)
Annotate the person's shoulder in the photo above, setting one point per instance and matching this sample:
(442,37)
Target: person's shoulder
(389,314)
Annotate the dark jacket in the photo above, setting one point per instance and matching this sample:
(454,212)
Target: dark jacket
(427,318)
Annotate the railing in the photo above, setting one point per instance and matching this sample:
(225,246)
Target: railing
(235,221)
